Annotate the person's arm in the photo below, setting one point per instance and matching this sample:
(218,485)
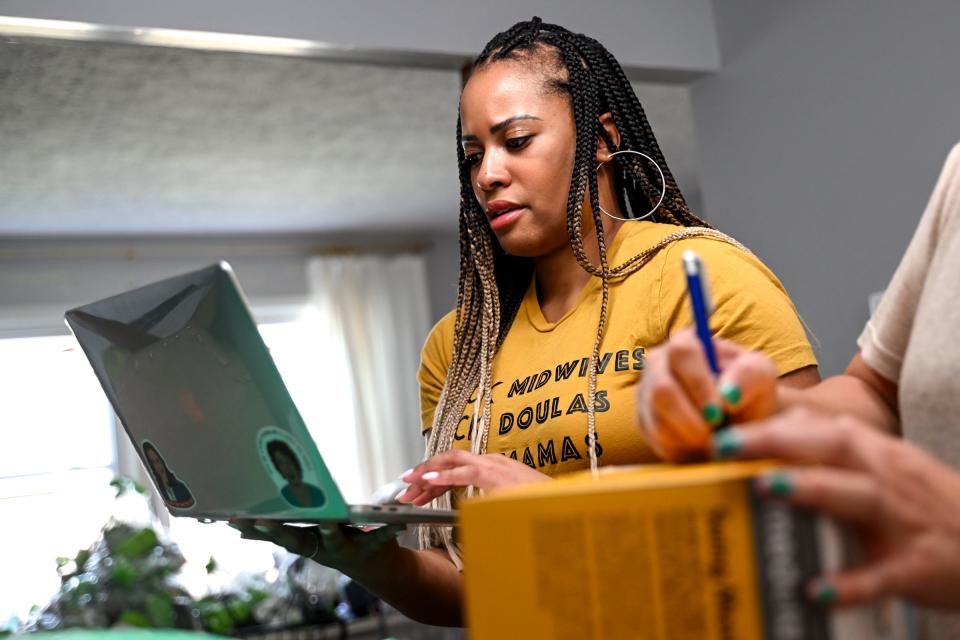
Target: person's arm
(677,384)
(801,378)
(868,388)
(859,391)
(423,585)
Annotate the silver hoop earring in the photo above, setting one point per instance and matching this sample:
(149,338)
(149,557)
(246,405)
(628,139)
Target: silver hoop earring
(663,191)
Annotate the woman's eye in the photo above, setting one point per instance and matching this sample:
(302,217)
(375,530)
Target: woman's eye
(517,143)
(472,158)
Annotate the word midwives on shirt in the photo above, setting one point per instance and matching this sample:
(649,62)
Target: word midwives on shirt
(540,419)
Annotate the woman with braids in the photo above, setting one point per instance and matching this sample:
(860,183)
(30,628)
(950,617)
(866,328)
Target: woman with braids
(571,232)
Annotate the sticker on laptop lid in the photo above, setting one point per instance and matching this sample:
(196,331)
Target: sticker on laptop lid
(289,469)
(173,490)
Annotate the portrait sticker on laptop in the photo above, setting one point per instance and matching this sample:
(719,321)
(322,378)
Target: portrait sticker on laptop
(283,459)
(172,489)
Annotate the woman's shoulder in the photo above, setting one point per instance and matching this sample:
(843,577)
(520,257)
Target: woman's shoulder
(443,329)
(438,347)
(712,246)
(734,272)
(730,262)
(635,236)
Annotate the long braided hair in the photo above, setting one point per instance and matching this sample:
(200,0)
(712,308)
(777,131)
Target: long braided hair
(492,284)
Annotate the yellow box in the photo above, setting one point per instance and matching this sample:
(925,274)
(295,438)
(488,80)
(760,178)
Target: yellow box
(653,552)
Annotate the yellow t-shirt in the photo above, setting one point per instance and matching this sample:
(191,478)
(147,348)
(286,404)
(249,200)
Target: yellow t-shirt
(539,411)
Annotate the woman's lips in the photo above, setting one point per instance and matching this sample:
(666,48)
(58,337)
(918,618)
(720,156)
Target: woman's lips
(505,218)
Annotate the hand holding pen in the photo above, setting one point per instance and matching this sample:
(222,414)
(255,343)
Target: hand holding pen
(696,382)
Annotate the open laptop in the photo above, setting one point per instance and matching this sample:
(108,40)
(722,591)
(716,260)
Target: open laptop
(197,392)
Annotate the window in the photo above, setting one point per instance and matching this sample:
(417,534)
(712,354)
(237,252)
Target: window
(56,463)
(58,456)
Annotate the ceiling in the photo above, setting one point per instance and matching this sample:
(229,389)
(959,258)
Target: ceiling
(119,139)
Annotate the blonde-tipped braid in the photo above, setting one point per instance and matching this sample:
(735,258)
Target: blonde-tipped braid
(472,362)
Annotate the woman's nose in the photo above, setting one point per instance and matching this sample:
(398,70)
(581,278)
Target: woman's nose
(492,173)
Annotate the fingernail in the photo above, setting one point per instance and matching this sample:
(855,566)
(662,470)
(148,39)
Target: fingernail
(731,393)
(726,444)
(430,475)
(713,414)
(824,593)
(778,484)
(406,473)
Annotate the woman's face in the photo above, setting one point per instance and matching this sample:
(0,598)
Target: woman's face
(286,466)
(519,140)
(156,463)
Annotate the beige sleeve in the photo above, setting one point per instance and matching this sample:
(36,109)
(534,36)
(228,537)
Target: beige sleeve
(886,335)
(434,363)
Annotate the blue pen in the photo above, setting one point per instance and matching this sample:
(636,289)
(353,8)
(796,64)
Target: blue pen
(702,306)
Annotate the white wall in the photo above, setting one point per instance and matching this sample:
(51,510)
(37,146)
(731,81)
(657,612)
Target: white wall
(654,34)
(821,139)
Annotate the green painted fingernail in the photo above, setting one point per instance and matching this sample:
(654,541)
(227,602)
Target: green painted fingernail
(713,414)
(731,393)
(726,444)
(825,594)
(778,484)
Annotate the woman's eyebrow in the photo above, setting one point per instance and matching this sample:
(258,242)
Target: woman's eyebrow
(500,126)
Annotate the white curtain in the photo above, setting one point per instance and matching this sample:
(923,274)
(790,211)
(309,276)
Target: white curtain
(378,305)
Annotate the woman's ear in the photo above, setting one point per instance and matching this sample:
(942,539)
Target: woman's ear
(603,152)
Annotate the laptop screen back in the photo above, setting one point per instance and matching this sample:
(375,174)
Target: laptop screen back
(194,386)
